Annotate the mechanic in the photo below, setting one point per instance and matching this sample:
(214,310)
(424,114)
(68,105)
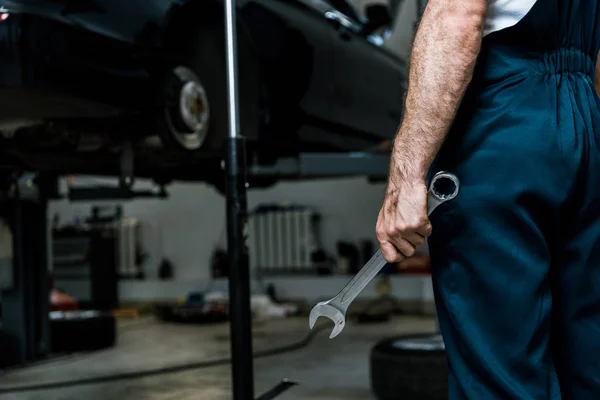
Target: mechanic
(502,94)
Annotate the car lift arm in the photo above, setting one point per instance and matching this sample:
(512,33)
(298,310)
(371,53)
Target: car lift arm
(326,165)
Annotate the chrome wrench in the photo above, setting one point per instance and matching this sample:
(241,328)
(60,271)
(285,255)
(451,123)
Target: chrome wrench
(335,309)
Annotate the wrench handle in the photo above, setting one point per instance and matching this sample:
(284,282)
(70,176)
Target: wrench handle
(362,279)
(375,264)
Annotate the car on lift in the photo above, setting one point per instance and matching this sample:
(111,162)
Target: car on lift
(138,87)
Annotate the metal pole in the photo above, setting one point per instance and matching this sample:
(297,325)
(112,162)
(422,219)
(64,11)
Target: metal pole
(239,270)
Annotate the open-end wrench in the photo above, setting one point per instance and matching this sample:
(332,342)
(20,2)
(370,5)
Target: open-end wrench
(335,309)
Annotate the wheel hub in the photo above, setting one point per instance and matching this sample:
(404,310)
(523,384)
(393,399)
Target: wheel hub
(189,116)
(193,105)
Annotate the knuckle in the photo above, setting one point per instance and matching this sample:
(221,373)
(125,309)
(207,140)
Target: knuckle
(400,227)
(414,224)
(391,231)
(427,228)
(406,227)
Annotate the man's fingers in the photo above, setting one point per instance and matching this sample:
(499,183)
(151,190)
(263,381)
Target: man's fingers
(414,233)
(406,248)
(425,229)
(415,239)
(390,253)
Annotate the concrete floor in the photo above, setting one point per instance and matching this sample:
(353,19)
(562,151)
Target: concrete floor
(325,369)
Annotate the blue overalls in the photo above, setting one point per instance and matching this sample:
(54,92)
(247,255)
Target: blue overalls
(516,256)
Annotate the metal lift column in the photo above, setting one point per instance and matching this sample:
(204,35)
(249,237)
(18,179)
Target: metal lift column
(25,296)
(239,266)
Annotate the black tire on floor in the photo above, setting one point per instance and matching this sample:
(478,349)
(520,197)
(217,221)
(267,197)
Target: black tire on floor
(82,331)
(410,368)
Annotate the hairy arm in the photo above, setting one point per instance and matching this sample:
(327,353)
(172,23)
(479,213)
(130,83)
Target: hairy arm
(444,53)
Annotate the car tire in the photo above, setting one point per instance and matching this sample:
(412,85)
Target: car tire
(409,368)
(200,58)
(82,331)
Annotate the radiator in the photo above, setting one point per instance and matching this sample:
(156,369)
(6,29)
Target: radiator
(128,240)
(281,239)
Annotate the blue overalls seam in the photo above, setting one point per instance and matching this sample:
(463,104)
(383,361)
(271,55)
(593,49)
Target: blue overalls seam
(569,61)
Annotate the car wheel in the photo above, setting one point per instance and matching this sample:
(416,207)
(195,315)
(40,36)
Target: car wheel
(187,110)
(410,368)
(82,331)
(195,101)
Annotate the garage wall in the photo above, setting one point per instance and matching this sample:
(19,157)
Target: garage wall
(183,228)
(191,222)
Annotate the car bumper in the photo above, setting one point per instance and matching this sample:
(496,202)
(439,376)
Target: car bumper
(52,69)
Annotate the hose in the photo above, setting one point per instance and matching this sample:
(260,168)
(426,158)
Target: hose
(165,370)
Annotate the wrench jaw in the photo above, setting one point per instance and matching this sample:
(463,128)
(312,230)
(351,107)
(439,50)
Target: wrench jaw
(339,327)
(324,309)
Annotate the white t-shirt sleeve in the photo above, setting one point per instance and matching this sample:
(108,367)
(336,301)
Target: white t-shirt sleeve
(506,13)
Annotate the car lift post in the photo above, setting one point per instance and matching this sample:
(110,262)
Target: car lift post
(237,209)
(25,298)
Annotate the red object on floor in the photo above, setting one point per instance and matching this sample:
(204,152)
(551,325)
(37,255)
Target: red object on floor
(419,264)
(60,301)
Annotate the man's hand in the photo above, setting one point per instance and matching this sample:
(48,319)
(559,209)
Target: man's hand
(403,223)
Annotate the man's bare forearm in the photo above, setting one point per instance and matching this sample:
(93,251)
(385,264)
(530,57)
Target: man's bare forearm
(444,54)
